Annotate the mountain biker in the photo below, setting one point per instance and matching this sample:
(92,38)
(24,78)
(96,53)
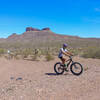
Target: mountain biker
(64,51)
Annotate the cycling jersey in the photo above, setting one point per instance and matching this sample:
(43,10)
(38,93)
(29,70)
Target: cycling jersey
(61,52)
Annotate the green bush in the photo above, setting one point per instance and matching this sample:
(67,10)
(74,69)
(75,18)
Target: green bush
(75,51)
(91,52)
(26,52)
(49,57)
(2,51)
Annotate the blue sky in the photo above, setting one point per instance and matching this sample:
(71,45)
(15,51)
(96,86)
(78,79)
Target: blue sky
(70,17)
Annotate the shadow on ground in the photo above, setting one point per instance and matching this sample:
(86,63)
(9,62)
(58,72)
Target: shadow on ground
(54,74)
(51,74)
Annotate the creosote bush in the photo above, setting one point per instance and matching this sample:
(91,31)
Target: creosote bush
(49,57)
(92,52)
(2,51)
(26,52)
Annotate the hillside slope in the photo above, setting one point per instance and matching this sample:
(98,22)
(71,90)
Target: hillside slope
(42,38)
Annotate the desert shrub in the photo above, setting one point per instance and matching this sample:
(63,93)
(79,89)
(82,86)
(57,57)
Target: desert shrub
(34,57)
(16,56)
(9,56)
(92,52)
(75,51)
(2,51)
(43,52)
(49,57)
(26,52)
(37,53)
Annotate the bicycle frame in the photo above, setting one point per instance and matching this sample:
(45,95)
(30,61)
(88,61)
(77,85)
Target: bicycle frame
(69,61)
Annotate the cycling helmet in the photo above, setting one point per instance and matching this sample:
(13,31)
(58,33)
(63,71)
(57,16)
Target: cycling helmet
(65,45)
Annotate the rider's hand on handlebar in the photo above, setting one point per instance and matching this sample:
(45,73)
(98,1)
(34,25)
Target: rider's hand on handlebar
(72,54)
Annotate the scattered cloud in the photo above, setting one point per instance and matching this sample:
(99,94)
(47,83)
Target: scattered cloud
(97,9)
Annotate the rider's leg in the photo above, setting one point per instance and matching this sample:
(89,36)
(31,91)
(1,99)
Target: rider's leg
(65,65)
(63,60)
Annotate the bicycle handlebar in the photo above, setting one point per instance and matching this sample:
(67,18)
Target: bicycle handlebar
(70,57)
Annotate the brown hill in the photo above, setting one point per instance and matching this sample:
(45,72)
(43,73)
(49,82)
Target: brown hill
(41,38)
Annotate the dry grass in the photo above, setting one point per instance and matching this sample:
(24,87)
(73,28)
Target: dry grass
(49,57)
(91,52)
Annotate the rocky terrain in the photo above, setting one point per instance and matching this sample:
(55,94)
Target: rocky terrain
(36,80)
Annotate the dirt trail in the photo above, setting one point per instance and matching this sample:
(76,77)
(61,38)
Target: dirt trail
(36,80)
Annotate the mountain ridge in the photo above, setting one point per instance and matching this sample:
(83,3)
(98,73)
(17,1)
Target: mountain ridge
(33,37)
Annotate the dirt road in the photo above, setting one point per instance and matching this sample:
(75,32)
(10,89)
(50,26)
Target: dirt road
(36,80)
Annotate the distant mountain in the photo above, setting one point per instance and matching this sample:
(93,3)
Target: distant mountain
(44,38)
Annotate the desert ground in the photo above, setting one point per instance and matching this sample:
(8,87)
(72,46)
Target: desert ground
(36,80)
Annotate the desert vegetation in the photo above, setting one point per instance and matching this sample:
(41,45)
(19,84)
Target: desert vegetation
(35,72)
(35,43)
(49,53)
(28,53)
(91,52)
(2,51)
(49,57)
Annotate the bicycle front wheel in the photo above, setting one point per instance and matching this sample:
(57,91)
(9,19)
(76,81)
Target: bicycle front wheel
(76,68)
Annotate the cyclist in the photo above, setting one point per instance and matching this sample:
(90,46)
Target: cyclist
(64,51)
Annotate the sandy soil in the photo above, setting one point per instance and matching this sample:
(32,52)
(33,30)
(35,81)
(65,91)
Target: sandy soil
(36,80)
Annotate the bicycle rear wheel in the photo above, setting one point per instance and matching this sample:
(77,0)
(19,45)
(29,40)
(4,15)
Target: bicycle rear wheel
(76,68)
(58,68)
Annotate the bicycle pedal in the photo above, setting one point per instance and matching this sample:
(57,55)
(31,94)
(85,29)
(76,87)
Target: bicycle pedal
(66,69)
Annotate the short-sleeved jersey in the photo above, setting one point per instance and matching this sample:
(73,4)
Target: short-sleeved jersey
(61,52)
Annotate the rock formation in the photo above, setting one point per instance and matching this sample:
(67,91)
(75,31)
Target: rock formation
(31,29)
(46,29)
(35,29)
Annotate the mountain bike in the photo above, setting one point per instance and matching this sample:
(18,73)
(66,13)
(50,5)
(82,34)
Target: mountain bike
(75,67)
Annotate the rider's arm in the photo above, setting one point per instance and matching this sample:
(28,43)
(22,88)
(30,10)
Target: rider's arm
(66,53)
(69,53)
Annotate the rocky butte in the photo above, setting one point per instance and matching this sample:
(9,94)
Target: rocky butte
(35,29)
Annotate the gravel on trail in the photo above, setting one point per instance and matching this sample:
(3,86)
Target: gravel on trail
(36,80)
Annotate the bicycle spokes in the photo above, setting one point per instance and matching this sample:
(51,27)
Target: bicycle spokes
(60,68)
(76,68)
